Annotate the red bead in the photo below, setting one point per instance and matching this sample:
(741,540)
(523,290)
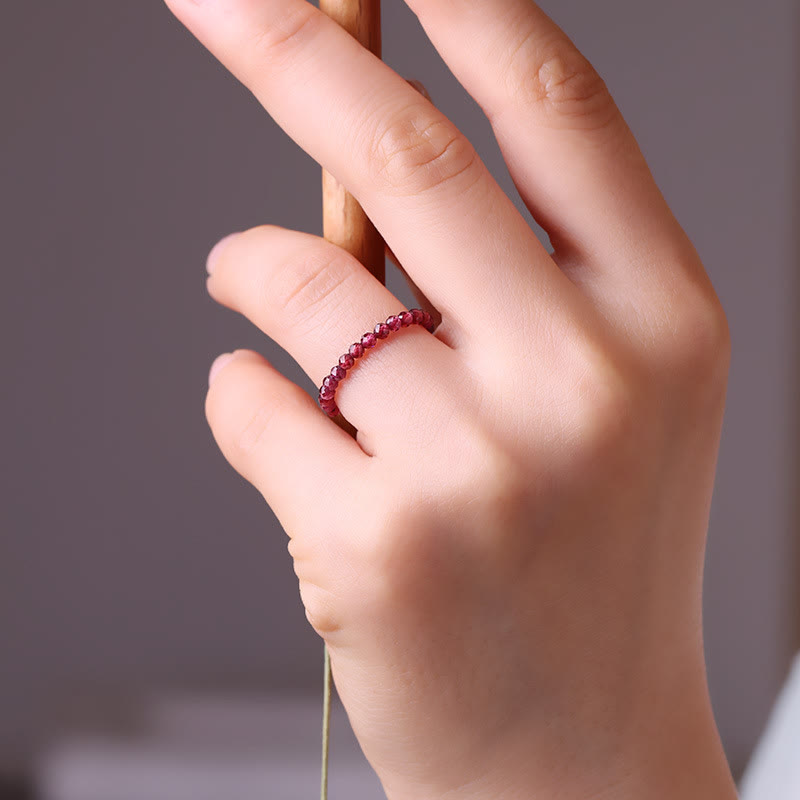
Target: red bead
(382,330)
(413,316)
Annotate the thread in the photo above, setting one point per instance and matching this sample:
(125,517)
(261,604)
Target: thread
(326,723)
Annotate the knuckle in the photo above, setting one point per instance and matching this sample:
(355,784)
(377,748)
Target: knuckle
(287,34)
(451,518)
(419,150)
(444,527)
(560,83)
(309,286)
(321,613)
(496,483)
(610,400)
(695,351)
(410,550)
(323,606)
(396,539)
(397,535)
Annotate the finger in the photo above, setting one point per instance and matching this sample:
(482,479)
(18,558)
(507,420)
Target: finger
(315,300)
(406,163)
(569,151)
(272,433)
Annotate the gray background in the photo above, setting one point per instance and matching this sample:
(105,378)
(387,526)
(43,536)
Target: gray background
(132,557)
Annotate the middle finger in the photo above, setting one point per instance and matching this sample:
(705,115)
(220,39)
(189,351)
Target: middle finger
(418,178)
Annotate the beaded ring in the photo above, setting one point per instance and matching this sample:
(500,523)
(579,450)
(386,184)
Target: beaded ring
(414,316)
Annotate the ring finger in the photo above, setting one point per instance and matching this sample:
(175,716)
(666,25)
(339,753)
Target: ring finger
(315,300)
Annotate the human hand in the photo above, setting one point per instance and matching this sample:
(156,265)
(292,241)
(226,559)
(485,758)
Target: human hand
(506,564)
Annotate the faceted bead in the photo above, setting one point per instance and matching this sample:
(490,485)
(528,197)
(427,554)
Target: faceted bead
(337,372)
(382,330)
(369,340)
(330,382)
(427,321)
(356,350)
(406,318)
(418,315)
(346,361)
(394,323)
(333,411)
(327,393)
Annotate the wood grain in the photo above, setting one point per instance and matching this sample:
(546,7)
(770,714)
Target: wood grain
(343,221)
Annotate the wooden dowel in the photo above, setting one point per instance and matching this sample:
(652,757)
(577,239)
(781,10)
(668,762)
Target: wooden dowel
(343,220)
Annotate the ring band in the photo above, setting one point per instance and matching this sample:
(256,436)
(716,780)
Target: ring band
(414,316)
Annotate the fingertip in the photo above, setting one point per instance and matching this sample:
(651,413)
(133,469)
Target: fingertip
(219,362)
(224,359)
(216,251)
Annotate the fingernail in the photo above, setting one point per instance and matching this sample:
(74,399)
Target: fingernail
(216,251)
(420,87)
(219,362)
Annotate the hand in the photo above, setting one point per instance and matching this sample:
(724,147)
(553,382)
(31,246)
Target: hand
(506,564)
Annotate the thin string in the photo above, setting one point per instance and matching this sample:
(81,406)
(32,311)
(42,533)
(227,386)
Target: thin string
(326,723)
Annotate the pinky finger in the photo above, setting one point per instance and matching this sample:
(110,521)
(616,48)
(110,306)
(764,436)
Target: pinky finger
(274,435)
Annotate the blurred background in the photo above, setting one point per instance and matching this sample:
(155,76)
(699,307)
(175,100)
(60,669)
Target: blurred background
(149,613)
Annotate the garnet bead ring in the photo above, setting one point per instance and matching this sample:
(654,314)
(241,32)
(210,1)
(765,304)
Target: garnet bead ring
(414,316)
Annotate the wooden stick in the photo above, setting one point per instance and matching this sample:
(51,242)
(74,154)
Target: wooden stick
(343,220)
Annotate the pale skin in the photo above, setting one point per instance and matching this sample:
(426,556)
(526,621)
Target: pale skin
(506,563)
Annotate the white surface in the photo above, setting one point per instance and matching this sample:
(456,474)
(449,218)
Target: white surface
(774,770)
(210,748)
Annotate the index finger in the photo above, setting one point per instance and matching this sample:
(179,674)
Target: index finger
(415,174)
